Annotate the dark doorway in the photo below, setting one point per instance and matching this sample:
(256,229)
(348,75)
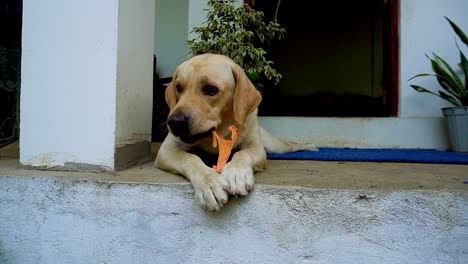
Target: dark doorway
(335,60)
(10,69)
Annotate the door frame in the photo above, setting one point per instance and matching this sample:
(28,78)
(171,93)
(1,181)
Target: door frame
(394,56)
(393,38)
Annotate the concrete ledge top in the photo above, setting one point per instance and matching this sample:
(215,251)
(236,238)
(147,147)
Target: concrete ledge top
(312,174)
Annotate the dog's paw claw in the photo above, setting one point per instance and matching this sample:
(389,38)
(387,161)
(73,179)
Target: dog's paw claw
(210,193)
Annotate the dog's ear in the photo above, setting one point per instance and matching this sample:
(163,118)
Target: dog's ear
(246,97)
(171,95)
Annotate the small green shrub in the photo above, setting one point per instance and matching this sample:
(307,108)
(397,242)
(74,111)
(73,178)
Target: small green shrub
(239,33)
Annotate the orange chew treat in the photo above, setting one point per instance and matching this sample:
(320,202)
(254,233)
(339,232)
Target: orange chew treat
(225,147)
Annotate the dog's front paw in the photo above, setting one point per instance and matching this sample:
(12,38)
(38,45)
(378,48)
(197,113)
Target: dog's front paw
(240,179)
(209,191)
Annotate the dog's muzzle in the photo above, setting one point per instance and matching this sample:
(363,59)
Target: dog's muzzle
(179,124)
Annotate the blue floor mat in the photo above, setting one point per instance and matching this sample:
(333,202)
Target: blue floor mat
(376,155)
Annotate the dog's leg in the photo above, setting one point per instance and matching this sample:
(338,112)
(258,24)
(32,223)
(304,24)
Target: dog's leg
(208,185)
(239,172)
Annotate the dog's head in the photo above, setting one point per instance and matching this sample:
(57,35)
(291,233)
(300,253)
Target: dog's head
(208,92)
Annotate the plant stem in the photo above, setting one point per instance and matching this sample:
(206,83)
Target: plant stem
(276,11)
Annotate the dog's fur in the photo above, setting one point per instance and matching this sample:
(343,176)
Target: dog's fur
(211,92)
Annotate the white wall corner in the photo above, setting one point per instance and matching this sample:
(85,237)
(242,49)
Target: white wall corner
(86,81)
(68,83)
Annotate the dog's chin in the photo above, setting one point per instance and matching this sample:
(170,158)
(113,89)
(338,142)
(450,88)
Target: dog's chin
(197,137)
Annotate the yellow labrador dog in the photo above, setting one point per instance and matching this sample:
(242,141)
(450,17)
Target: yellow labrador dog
(211,92)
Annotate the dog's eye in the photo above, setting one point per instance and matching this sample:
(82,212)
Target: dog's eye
(179,88)
(210,90)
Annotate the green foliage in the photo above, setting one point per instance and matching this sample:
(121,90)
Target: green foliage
(455,89)
(239,34)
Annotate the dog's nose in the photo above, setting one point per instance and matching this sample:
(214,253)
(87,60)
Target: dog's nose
(179,124)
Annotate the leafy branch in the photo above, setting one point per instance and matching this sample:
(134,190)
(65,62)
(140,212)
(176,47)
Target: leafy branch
(239,33)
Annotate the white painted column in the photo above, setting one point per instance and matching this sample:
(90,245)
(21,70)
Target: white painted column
(75,66)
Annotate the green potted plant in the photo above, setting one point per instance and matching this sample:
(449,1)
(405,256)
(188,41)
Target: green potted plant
(454,86)
(239,33)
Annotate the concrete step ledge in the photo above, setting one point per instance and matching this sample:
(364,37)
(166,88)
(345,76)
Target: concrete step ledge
(50,220)
(47,217)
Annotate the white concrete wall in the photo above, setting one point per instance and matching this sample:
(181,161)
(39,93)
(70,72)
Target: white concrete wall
(134,71)
(68,82)
(196,15)
(425,30)
(46,220)
(171,35)
(400,133)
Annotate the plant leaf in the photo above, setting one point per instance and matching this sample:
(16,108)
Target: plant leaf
(421,75)
(441,94)
(421,89)
(449,98)
(459,31)
(452,72)
(447,82)
(441,79)
(464,66)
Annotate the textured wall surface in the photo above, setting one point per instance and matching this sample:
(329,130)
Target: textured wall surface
(46,220)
